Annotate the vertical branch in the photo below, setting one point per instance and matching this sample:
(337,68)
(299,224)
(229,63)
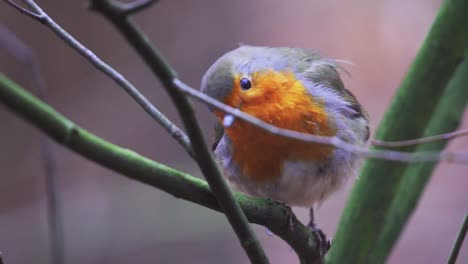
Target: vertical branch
(49,162)
(25,55)
(458,242)
(415,178)
(413,106)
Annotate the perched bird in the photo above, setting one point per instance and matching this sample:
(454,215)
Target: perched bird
(289,88)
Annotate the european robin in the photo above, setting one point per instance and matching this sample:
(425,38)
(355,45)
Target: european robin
(289,88)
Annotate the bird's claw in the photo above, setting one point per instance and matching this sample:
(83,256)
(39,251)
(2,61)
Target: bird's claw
(323,244)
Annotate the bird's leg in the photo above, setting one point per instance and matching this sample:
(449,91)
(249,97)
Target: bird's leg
(322,243)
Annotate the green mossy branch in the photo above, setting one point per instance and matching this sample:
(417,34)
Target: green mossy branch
(134,166)
(414,105)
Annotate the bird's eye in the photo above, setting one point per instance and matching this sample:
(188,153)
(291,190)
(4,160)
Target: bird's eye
(245,84)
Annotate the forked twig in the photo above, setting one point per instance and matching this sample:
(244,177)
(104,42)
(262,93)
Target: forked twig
(25,11)
(149,108)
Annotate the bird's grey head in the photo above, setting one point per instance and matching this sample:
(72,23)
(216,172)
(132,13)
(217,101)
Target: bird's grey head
(245,60)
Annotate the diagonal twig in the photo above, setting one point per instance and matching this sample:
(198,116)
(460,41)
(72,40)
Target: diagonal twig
(149,108)
(118,15)
(458,242)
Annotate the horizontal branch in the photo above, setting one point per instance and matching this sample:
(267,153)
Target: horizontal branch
(134,166)
(332,141)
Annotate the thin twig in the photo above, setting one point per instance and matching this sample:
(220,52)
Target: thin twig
(149,108)
(458,242)
(116,14)
(332,141)
(26,56)
(25,11)
(417,141)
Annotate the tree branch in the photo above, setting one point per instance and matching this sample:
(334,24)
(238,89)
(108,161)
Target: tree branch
(118,16)
(408,157)
(458,242)
(415,178)
(131,90)
(364,218)
(134,166)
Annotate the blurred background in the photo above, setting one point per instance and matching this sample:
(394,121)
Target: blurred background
(110,219)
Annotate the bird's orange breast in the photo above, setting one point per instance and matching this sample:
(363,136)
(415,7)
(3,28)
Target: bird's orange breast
(281,100)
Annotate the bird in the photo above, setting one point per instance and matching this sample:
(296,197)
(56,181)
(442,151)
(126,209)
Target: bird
(290,88)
